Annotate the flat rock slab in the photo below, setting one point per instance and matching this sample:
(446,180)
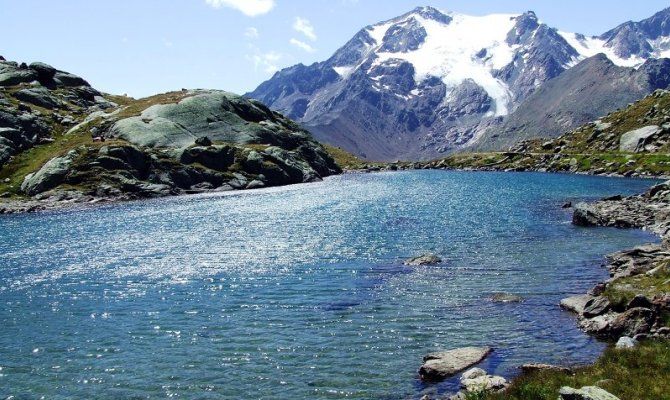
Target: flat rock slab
(533,367)
(585,393)
(576,304)
(444,364)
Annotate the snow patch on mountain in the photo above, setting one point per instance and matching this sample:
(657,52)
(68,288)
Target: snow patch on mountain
(468,47)
(345,71)
(590,46)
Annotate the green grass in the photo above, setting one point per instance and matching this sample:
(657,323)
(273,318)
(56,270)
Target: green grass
(642,373)
(345,159)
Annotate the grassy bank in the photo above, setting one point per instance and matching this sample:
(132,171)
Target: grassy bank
(642,373)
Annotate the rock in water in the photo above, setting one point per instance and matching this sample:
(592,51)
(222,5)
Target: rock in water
(585,393)
(506,298)
(444,364)
(426,259)
(585,215)
(473,373)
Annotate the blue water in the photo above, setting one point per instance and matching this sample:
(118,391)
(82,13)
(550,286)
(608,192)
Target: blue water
(298,292)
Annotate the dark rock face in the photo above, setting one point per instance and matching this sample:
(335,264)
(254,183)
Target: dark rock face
(403,38)
(632,38)
(370,100)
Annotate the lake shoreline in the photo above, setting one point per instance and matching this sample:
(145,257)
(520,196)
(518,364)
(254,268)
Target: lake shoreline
(68,200)
(624,311)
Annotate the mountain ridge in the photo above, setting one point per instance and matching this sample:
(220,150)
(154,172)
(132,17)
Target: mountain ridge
(384,96)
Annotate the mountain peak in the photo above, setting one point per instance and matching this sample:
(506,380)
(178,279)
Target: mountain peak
(427,12)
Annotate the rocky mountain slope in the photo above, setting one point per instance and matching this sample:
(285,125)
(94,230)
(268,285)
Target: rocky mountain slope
(581,94)
(61,140)
(430,82)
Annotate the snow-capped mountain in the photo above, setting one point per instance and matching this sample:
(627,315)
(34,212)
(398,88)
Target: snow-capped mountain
(430,82)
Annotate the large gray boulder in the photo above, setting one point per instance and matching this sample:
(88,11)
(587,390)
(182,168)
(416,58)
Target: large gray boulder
(633,141)
(585,393)
(219,115)
(448,363)
(50,175)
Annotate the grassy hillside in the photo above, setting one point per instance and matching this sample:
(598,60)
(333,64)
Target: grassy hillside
(592,148)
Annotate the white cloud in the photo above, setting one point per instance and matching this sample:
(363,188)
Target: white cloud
(302,45)
(250,8)
(305,27)
(251,33)
(266,62)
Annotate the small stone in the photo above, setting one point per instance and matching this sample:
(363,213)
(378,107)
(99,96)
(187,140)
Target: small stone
(576,304)
(626,342)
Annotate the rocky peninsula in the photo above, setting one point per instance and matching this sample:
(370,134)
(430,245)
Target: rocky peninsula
(63,142)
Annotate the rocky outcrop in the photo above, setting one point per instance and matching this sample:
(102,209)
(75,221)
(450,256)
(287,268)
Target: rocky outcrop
(37,102)
(168,144)
(444,364)
(635,140)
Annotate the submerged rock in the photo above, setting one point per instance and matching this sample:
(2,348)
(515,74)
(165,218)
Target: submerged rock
(426,259)
(505,298)
(444,364)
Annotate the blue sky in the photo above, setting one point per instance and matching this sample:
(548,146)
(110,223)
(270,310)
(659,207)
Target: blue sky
(142,47)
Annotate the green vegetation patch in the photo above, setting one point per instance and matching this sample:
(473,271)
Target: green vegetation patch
(642,373)
(623,290)
(345,159)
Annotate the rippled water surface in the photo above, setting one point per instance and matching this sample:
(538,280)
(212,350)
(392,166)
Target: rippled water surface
(297,292)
